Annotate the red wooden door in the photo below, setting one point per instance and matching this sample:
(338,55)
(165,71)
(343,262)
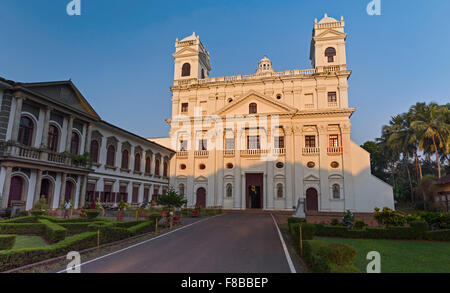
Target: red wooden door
(312,200)
(15,190)
(201,197)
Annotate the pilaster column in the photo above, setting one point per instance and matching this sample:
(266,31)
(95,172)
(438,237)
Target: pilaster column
(6,187)
(298,167)
(324,192)
(289,167)
(37,188)
(84,180)
(17,115)
(69,133)
(349,194)
(62,192)
(44,142)
(87,144)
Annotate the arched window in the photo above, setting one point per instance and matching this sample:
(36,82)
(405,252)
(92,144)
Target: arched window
(166,170)
(279,190)
(125,156)
(52,140)
(137,163)
(252,108)
(74,143)
(186,70)
(26,131)
(229,190)
(94,151)
(336,191)
(181,189)
(157,167)
(110,156)
(148,165)
(330,53)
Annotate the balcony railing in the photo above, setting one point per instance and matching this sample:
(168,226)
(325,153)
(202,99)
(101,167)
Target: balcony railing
(279,151)
(310,151)
(256,152)
(43,156)
(182,154)
(335,150)
(201,154)
(229,153)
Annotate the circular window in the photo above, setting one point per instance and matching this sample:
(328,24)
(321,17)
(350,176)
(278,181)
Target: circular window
(311,165)
(335,165)
(202,166)
(280,165)
(183,167)
(278,97)
(230,166)
(230,100)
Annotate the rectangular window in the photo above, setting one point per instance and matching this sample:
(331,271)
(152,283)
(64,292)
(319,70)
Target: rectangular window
(203,145)
(184,107)
(279,142)
(183,145)
(332,97)
(334,140)
(229,143)
(310,141)
(253,142)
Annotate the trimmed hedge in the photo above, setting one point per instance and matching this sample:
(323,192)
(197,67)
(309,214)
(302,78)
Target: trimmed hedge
(23,228)
(7,241)
(75,228)
(127,224)
(38,212)
(324,257)
(308,232)
(27,219)
(74,220)
(53,232)
(10,259)
(438,235)
(142,228)
(92,214)
(294,220)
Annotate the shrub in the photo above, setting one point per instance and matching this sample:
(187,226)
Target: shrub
(154,216)
(37,213)
(127,224)
(30,219)
(92,214)
(308,232)
(142,228)
(435,220)
(22,228)
(75,228)
(419,225)
(438,235)
(7,241)
(359,224)
(53,232)
(294,220)
(324,257)
(335,222)
(388,217)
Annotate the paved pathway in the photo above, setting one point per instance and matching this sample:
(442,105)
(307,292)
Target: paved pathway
(230,243)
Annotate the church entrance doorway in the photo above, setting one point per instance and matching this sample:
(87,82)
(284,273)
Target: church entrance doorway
(254,183)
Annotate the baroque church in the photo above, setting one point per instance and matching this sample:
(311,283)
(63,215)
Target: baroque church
(270,140)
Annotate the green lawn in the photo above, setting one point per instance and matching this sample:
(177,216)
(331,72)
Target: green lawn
(29,242)
(401,256)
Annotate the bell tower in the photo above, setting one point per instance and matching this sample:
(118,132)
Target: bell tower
(191,59)
(328,44)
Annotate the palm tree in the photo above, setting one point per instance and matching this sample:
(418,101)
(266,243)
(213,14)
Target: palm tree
(432,129)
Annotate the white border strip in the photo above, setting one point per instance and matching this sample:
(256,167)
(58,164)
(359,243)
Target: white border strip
(286,252)
(138,244)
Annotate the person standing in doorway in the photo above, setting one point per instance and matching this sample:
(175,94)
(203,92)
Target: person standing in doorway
(67,206)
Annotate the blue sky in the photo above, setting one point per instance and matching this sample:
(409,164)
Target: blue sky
(118,52)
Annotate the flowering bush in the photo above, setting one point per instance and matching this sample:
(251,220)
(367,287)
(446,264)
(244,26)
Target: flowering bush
(388,217)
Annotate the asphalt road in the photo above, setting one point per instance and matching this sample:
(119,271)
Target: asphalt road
(231,243)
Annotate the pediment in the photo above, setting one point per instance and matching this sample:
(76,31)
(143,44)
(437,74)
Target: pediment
(311,178)
(201,179)
(65,93)
(181,178)
(265,104)
(335,176)
(330,33)
(187,51)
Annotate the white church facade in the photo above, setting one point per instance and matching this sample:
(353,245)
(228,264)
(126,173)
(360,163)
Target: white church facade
(270,140)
